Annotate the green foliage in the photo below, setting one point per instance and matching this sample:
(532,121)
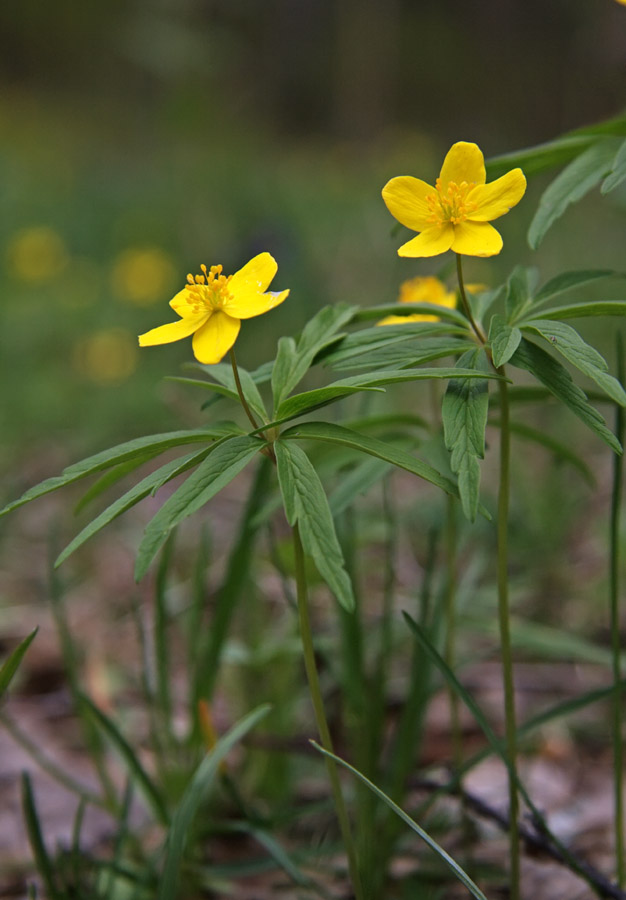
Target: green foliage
(11,664)
(464,412)
(307,506)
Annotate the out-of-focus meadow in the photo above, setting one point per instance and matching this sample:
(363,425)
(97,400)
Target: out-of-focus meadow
(141,139)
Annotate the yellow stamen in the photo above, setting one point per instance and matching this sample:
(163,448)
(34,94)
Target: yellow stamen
(450,205)
(208,291)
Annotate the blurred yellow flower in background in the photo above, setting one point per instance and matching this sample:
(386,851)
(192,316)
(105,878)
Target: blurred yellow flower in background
(37,254)
(141,275)
(422,290)
(107,356)
(212,305)
(455,213)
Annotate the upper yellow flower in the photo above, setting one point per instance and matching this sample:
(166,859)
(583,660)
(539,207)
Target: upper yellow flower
(212,305)
(455,214)
(422,290)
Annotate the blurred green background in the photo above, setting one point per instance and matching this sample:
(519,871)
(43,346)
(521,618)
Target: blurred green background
(142,138)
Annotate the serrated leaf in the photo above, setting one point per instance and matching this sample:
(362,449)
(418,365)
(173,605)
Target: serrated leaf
(214,473)
(464,412)
(541,157)
(369,339)
(111,477)
(566,341)
(519,289)
(618,173)
(583,310)
(311,400)
(504,340)
(10,666)
(307,506)
(294,359)
(406,354)
(338,434)
(557,379)
(566,281)
(154,443)
(571,185)
(148,485)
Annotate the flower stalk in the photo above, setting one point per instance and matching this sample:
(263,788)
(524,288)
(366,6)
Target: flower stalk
(510,720)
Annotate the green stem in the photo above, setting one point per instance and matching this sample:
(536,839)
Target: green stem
(503,600)
(318,707)
(244,402)
(618,750)
(505,636)
(450,645)
(467,309)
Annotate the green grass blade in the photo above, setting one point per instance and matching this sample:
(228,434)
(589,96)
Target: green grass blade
(35,838)
(197,790)
(445,857)
(144,782)
(11,665)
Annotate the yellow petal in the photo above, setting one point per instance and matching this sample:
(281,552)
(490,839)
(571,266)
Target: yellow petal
(215,338)
(463,162)
(255,277)
(248,304)
(426,289)
(400,320)
(180,303)
(430,242)
(476,239)
(405,198)
(495,199)
(173,331)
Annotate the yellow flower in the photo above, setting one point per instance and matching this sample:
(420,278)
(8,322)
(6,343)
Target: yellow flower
(455,214)
(37,254)
(422,290)
(212,305)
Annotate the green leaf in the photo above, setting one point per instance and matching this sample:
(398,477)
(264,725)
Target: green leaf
(223,374)
(618,173)
(144,782)
(566,281)
(306,504)
(541,157)
(11,664)
(560,450)
(310,400)
(381,336)
(584,310)
(504,340)
(338,434)
(446,313)
(519,289)
(148,485)
(358,481)
(214,473)
(405,354)
(194,796)
(111,477)
(154,444)
(464,412)
(576,180)
(293,360)
(557,379)
(44,864)
(569,344)
(455,868)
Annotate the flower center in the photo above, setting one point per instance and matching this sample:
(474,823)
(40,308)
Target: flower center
(208,291)
(450,205)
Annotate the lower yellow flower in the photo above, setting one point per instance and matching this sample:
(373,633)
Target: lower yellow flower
(422,290)
(212,305)
(456,212)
